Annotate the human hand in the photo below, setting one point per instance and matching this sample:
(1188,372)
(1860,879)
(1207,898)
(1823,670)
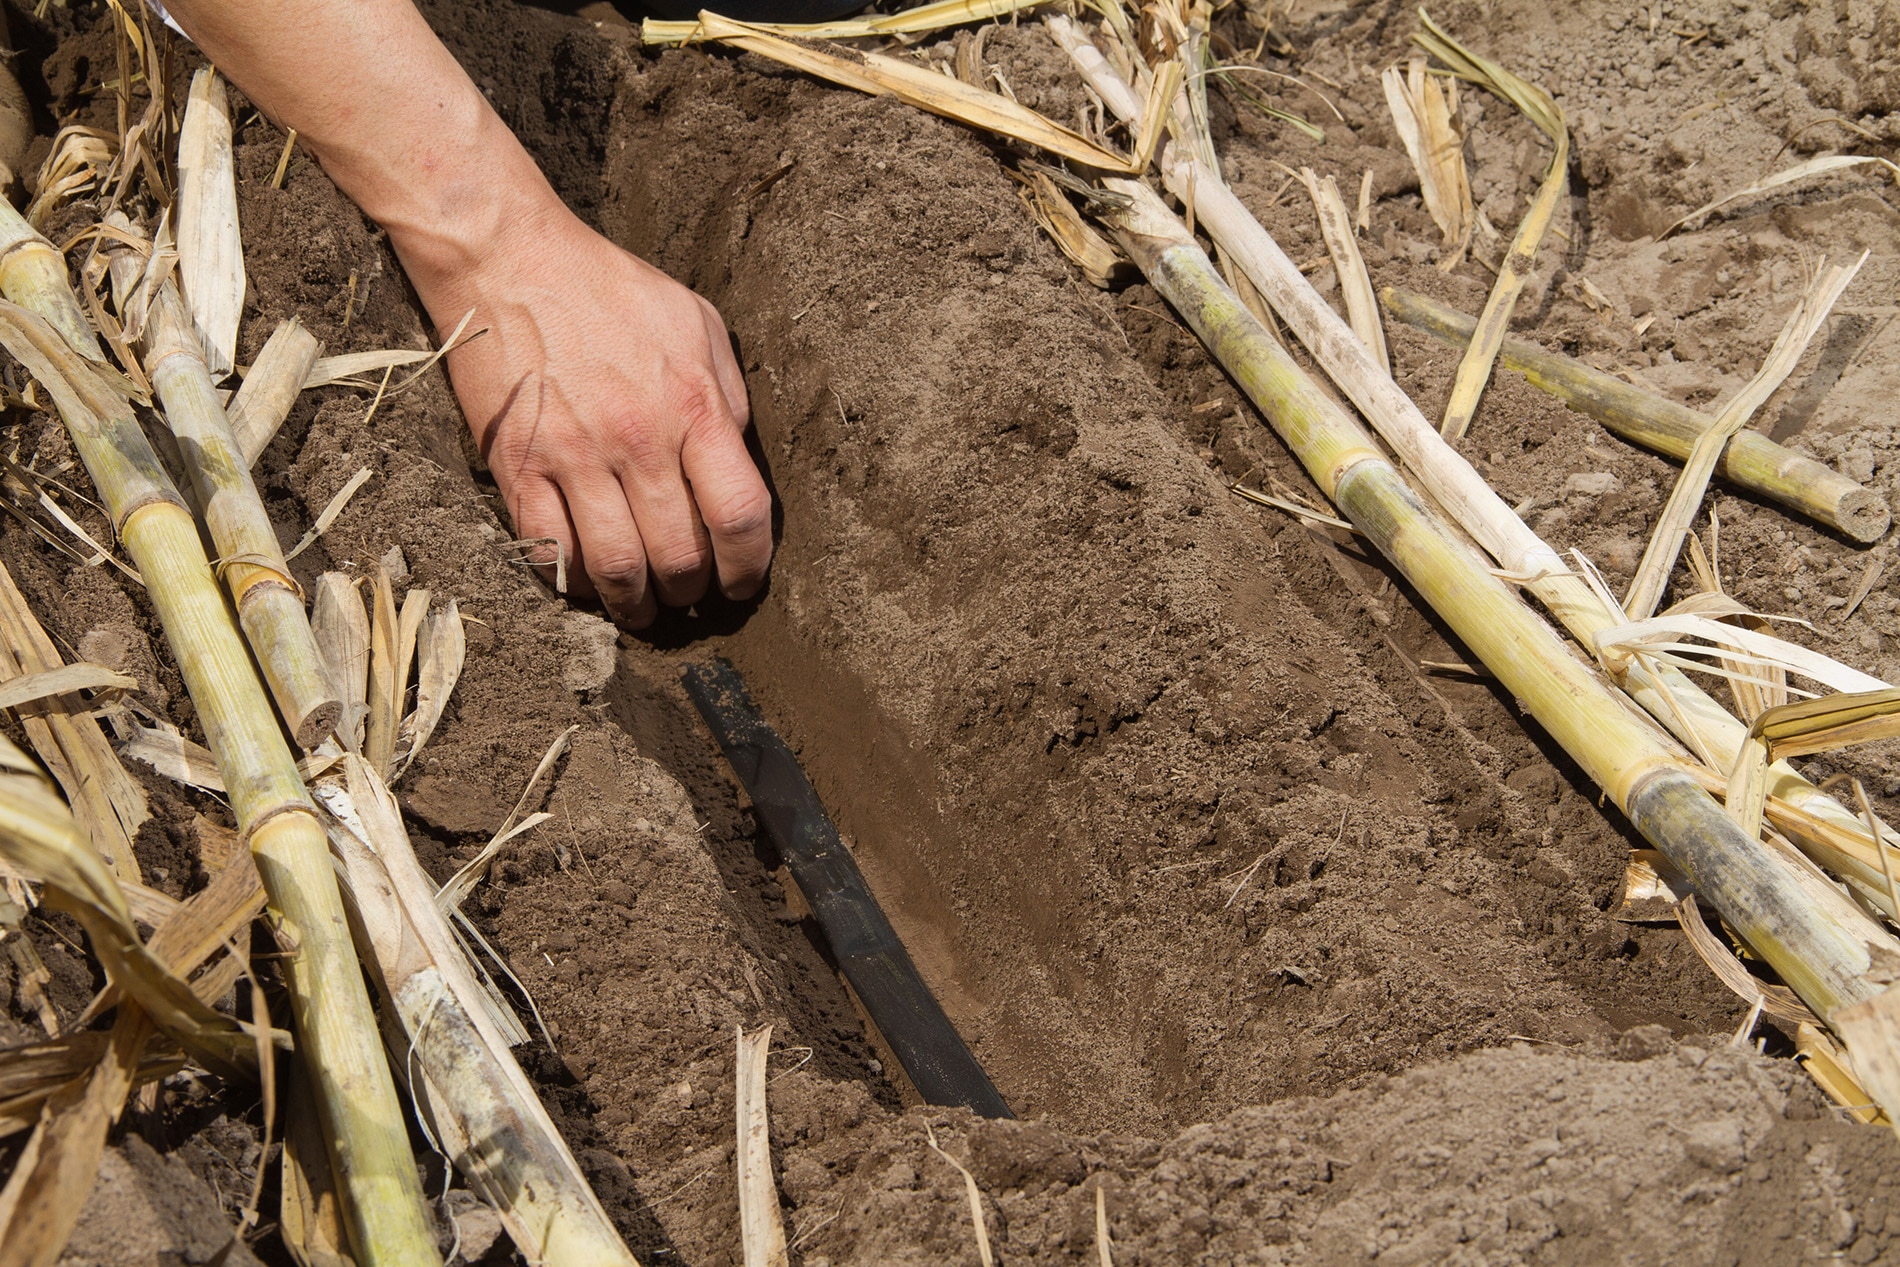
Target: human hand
(606,400)
(603,394)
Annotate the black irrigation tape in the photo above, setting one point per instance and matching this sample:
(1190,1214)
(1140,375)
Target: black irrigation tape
(902,1007)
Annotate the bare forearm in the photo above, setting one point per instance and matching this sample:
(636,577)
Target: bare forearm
(604,395)
(390,114)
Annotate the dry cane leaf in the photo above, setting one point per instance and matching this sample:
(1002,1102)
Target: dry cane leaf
(1658,637)
(108,802)
(1652,886)
(1799,172)
(444,647)
(34,687)
(1474,368)
(39,840)
(187,934)
(210,256)
(1752,698)
(878,75)
(1086,248)
(1777,1001)
(331,511)
(271,387)
(1424,123)
(1872,1032)
(54,1173)
(311,1215)
(456,888)
(761,1222)
(415,608)
(918,21)
(1834,721)
(31,1072)
(352,367)
(213,1039)
(1827,1064)
(341,626)
(975,1196)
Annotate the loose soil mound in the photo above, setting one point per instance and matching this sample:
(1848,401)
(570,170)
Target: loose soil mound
(1298,950)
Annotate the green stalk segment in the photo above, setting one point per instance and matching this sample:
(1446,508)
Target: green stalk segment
(1819,942)
(269,603)
(336,1030)
(33,275)
(1751,460)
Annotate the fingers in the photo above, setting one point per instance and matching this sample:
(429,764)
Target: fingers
(733,505)
(725,367)
(611,549)
(646,489)
(679,553)
(541,515)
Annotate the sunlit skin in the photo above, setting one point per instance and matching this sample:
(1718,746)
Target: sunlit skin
(604,395)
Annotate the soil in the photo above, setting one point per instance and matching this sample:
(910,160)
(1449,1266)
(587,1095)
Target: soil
(1293,948)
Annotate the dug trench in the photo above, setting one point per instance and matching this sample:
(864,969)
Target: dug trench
(1295,946)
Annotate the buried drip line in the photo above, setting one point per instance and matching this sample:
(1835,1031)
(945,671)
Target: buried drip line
(899,1003)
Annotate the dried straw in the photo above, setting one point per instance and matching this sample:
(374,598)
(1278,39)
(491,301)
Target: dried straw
(1474,371)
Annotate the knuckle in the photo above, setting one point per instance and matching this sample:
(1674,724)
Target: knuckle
(676,568)
(701,405)
(740,516)
(618,565)
(642,447)
(516,457)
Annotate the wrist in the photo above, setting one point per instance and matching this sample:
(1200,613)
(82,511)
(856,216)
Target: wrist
(453,203)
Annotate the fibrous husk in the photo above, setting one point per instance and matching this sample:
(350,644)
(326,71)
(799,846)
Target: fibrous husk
(1426,118)
(761,1222)
(210,253)
(1335,222)
(342,628)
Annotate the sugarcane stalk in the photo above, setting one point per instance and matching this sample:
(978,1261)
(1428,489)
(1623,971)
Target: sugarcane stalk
(1751,460)
(336,1028)
(33,275)
(269,602)
(1663,691)
(483,1109)
(1822,826)
(1808,931)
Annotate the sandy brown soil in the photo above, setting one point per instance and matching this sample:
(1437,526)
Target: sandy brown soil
(1299,951)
